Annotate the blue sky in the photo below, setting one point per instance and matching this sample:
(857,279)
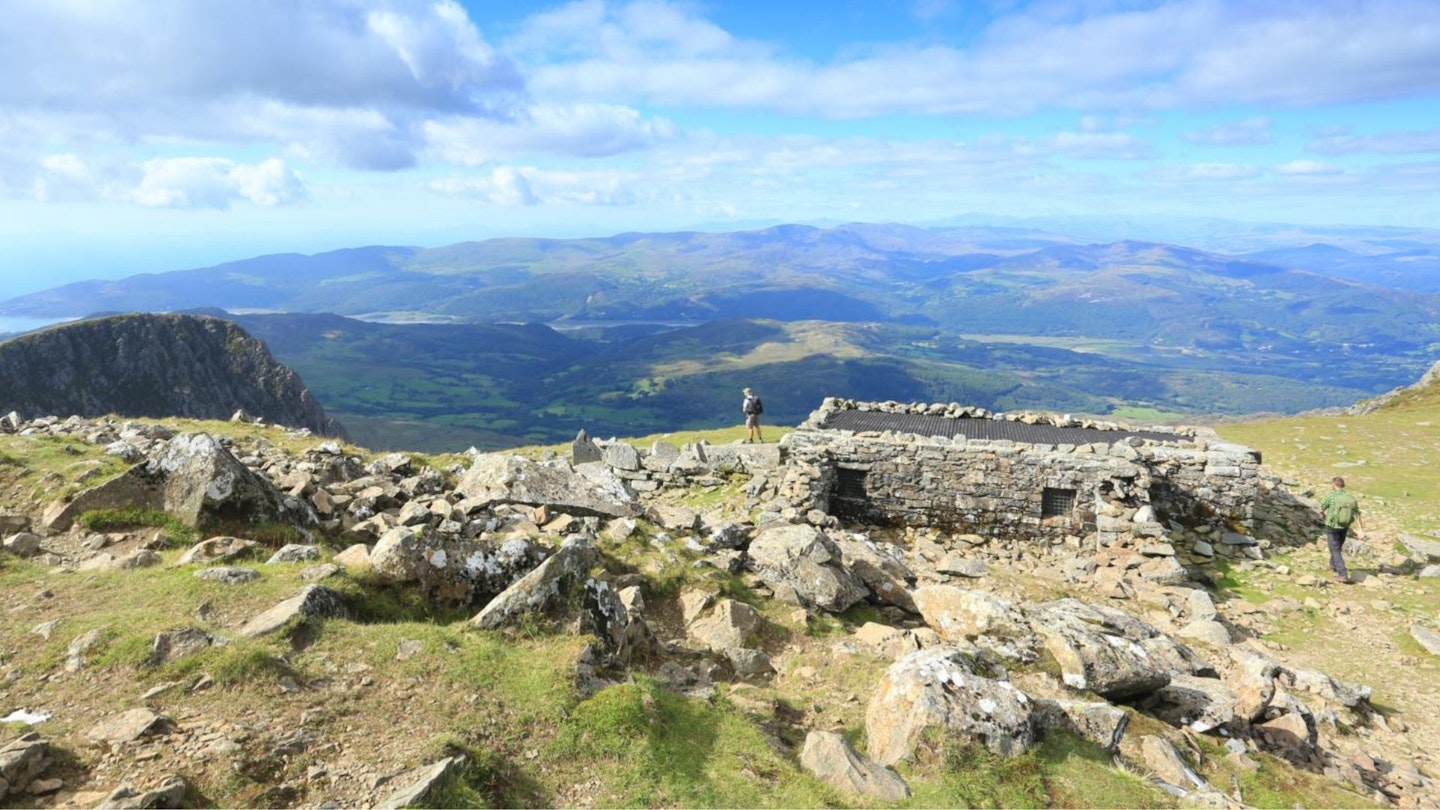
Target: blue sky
(151,135)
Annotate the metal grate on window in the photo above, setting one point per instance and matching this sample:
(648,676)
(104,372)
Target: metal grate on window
(850,483)
(1056,502)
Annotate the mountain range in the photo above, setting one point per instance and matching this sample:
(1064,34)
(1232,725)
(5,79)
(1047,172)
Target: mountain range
(651,332)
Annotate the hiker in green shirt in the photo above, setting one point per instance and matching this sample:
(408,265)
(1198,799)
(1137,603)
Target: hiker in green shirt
(1340,510)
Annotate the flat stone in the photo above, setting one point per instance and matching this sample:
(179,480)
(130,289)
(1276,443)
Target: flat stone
(417,783)
(1427,638)
(310,601)
(228,575)
(131,725)
(961,566)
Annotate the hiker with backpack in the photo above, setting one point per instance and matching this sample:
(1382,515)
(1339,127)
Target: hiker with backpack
(752,407)
(1340,510)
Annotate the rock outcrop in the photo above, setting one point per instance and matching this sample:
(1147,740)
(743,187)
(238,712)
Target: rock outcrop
(154,365)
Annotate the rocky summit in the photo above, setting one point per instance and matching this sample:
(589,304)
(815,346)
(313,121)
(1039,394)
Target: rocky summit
(255,616)
(157,366)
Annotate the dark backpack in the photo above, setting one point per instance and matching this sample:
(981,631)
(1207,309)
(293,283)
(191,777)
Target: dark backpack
(754,406)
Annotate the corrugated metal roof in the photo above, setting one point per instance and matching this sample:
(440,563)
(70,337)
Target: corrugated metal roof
(927,425)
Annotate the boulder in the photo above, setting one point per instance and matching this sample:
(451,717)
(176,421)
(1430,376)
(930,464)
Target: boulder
(804,566)
(880,570)
(1200,704)
(726,626)
(311,601)
(1099,649)
(959,614)
(1167,764)
(202,482)
(673,518)
(496,478)
(829,757)
(949,689)
(21,761)
(294,552)
(1100,723)
(453,569)
(540,590)
(215,549)
(1425,549)
(961,566)
(174,645)
(23,544)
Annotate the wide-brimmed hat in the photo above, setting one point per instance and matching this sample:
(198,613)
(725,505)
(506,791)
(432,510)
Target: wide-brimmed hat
(745,391)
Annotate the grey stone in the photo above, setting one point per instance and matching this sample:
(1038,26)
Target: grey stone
(215,549)
(830,758)
(801,561)
(1100,723)
(294,552)
(128,726)
(202,480)
(1427,638)
(960,566)
(228,574)
(311,601)
(498,478)
(1201,704)
(174,645)
(540,589)
(1237,539)
(749,663)
(83,643)
(416,784)
(1425,549)
(958,614)
(21,761)
(1099,649)
(169,794)
(673,518)
(880,570)
(23,544)
(945,688)
(1207,630)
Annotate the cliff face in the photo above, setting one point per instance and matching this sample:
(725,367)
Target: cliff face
(154,365)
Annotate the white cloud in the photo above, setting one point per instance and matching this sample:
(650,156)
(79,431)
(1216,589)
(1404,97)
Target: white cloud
(513,186)
(582,130)
(346,80)
(1121,57)
(211,183)
(1310,168)
(1207,172)
(1250,132)
(1390,143)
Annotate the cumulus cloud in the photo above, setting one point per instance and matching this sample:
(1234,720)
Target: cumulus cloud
(582,130)
(1250,132)
(342,80)
(1390,143)
(211,183)
(1125,57)
(515,186)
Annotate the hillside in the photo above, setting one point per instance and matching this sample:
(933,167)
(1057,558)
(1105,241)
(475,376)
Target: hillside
(392,683)
(154,365)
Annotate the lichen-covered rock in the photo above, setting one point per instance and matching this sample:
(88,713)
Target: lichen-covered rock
(497,478)
(803,565)
(1099,649)
(726,626)
(215,549)
(948,689)
(294,552)
(541,590)
(959,614)
(452,569)
(21,760)
(203,482)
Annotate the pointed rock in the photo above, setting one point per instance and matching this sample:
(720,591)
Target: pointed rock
(829,758)
(310,601)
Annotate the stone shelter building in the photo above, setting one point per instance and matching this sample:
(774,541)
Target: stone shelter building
(1025,475)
